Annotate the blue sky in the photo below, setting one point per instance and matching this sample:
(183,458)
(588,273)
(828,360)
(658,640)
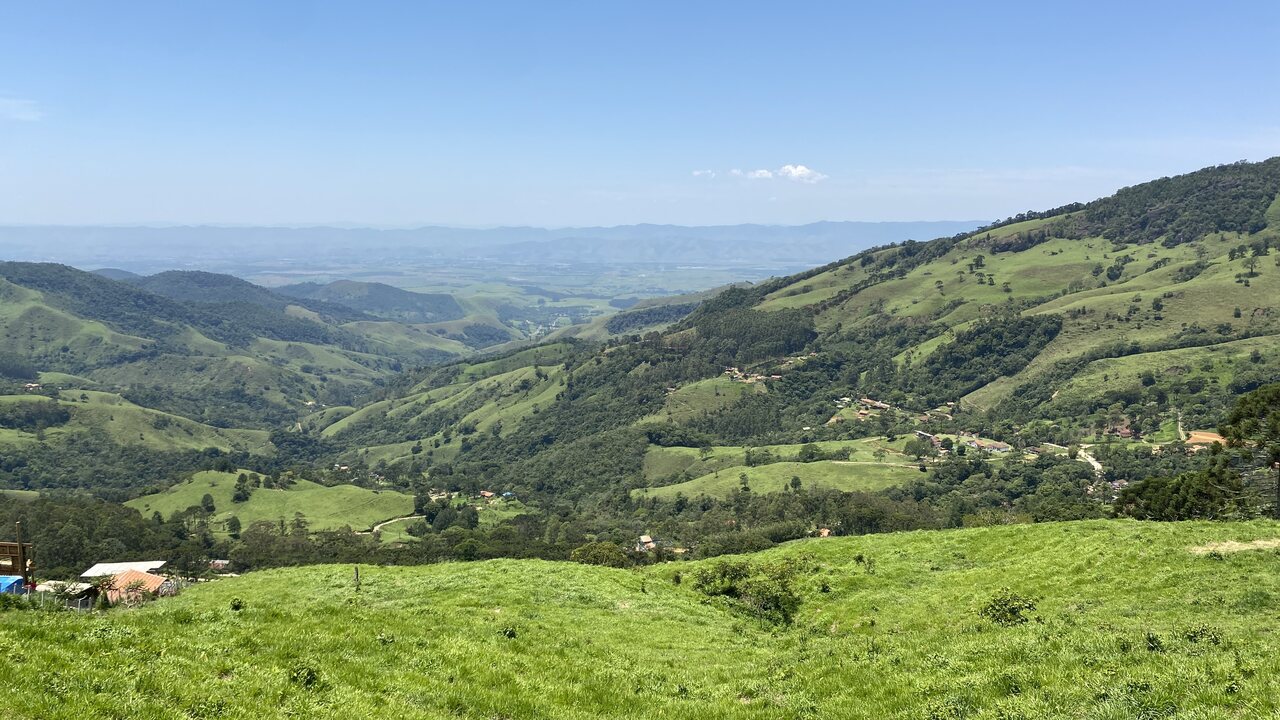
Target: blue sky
(585,113)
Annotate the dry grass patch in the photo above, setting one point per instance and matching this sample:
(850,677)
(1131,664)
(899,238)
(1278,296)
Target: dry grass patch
(1231,546)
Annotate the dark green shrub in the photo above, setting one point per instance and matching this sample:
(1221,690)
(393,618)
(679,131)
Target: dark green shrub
(764,591)
(304,675)
(1154,643)
(1007,608)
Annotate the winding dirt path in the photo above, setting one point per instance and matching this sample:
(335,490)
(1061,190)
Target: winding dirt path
(1097,466)
(385,523)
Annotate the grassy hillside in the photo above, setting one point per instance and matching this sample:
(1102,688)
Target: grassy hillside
(381,300)
(20,495)
(324,507)
(776,477)
(128,424)
(694,399)
(481,397)
(1197,271)
(888,626)
(209,347)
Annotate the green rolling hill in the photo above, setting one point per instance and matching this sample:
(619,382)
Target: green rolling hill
(381,300)
(1178,263)
(1104,619)
(123,422)
(324,507)
(208,347)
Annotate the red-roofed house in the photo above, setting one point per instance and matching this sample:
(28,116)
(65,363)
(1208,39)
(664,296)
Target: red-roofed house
(133,585)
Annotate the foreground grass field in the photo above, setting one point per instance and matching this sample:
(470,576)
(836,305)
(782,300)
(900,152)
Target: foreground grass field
(324,507)
(1131,620)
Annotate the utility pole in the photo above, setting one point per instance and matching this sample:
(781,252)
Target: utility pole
(1276,466)
(22,557)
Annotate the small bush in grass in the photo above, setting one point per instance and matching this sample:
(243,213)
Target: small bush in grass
(14,602)
(508,633)
(1007,608)
(304,675)
(1154,643)
(1204,633)
(762,590)
(237,604)
(949,709)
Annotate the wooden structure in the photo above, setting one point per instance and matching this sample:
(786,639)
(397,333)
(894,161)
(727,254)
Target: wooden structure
(16,558)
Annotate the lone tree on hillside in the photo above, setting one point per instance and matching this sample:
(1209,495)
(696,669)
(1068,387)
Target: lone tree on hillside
(600,553)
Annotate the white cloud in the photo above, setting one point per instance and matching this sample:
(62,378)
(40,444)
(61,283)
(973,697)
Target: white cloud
(800,173)
(20,110)
(704,173)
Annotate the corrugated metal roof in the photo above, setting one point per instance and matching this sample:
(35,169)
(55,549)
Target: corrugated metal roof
(119,567)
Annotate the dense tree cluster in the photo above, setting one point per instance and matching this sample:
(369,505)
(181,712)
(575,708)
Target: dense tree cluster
(33,416)
(631,320)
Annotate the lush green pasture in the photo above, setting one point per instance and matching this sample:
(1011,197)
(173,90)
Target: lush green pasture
(697,398)
(130,424)
(776,477)
(20,495)
(324,507)
(1129,622)
(508,397)
(664,463)
(548,354)
(1215,364)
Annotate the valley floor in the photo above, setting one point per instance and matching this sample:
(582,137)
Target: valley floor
(1131,620)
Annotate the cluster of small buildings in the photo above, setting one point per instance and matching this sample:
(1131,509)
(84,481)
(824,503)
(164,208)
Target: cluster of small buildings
(972,440)
(967,439)
(740,375)
(866,407)
(490,496)
(128,583)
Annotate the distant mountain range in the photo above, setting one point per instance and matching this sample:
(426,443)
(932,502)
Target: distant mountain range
(158,248)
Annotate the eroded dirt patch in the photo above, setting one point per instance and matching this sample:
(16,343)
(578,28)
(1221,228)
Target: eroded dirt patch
(1231,546)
